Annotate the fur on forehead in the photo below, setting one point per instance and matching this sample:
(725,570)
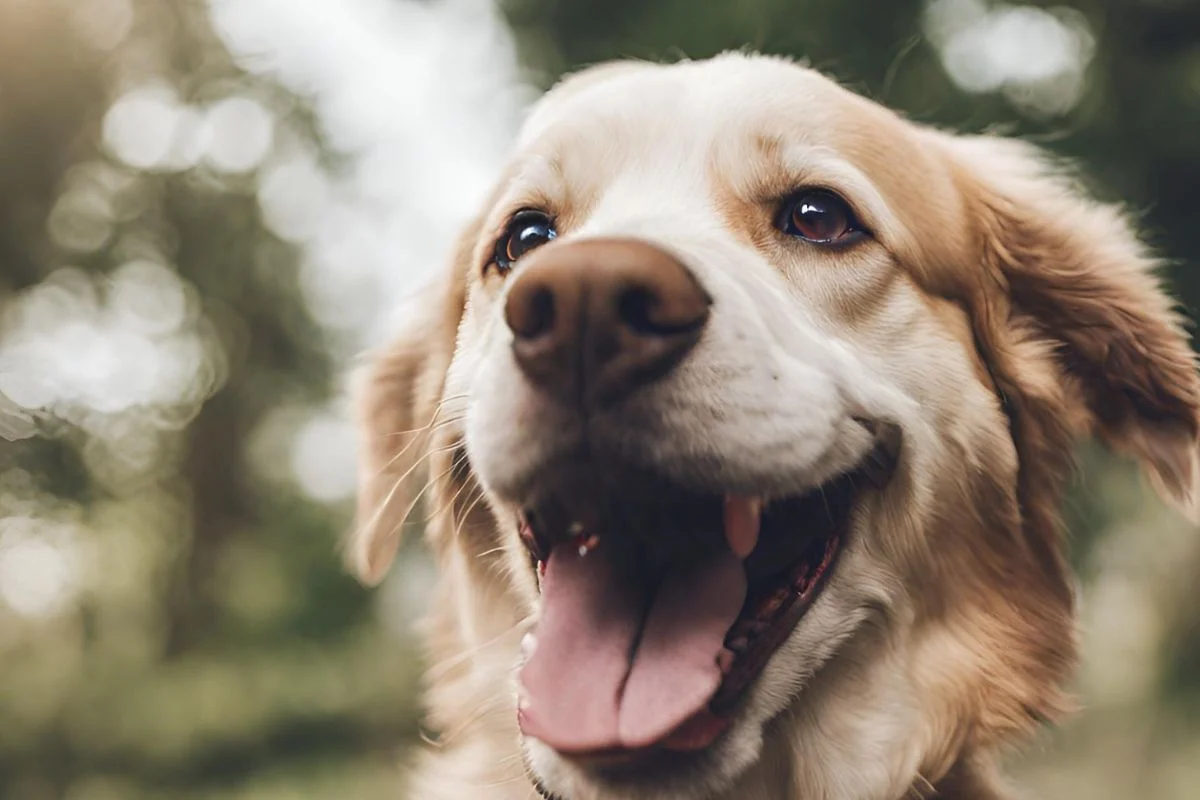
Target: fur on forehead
(764,125)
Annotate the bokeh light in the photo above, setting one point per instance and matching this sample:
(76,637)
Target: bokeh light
(83,347)
(38,566)
(1037,57)
(143,125)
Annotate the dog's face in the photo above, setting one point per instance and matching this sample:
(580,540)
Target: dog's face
(770,394)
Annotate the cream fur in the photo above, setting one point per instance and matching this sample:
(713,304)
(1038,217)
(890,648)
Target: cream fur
(947,630)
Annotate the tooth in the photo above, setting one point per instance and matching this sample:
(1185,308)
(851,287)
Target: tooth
(587,543)
(522,698)
(725,660)
(743,516)
(528,645)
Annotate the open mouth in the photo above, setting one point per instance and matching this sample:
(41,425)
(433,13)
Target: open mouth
(661,605)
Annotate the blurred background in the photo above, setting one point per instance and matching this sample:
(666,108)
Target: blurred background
(208,208)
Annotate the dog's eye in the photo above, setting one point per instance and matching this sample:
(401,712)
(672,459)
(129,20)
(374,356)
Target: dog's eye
(819,216)
(527,230)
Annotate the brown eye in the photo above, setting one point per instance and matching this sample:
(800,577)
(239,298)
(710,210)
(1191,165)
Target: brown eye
(819,216)
(527,229)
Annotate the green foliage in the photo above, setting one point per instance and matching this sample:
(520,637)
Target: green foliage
(217,648)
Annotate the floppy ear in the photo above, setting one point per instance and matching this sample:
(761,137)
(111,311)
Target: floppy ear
(1073,285)
(398,407)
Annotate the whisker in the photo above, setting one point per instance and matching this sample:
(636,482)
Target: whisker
(370,525)
(439,670)
(416,440)
(428,428)
(491,552)
(467,513)
(417,497)
(505,782)
(387,500)
(518,756)
(440,406)
(450,504)
(491,705)
(922,788)
(825,502)
(428,454)
(438,426)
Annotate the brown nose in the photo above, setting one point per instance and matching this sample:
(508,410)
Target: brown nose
(595,319)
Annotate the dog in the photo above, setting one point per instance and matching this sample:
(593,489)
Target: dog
(742,418)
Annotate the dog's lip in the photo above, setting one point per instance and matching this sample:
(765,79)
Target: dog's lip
(875,466)
(785,603)
(755,640)
(757,633)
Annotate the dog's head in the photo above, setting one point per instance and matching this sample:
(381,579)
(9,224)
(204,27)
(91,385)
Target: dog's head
(771,395)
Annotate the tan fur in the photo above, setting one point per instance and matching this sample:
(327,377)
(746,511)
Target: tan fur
(996,314)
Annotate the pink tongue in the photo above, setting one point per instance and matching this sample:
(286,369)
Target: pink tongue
(591,683)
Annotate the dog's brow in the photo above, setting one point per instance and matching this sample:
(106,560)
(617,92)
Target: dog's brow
(782,167)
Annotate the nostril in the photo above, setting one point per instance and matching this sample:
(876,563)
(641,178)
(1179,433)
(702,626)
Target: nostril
(536,314)
(593,320)
(644,312)
(634,307)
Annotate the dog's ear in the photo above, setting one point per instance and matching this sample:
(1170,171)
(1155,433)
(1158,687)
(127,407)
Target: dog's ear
(1072,286)
(399,407)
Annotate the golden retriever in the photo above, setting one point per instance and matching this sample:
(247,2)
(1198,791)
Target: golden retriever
(742,419)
